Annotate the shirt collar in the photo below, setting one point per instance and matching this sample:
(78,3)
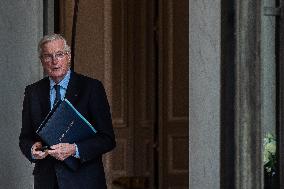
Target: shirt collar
(63,83)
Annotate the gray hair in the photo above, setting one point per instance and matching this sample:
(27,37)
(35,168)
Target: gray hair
(52,37)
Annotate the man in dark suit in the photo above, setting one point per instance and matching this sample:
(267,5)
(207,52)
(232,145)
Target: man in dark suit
(89,98)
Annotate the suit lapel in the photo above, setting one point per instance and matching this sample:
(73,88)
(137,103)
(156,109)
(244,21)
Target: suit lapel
(73,89)
(44,96)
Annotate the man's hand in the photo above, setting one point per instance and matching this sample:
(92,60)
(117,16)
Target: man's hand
(36,153)
(62,151)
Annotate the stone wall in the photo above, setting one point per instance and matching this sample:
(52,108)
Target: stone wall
(204,93)
(20,29)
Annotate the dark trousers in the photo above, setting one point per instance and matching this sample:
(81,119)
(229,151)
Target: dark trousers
(40,184)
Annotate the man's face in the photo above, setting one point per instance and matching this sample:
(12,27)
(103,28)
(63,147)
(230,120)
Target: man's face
(55,60)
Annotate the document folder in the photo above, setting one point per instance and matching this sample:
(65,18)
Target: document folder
(64,124)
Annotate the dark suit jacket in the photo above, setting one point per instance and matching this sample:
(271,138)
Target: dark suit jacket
(89,98)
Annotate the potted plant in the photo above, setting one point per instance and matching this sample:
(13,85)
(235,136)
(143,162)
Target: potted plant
(270,162)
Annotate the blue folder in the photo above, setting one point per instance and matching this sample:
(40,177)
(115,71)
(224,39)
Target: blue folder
(64,124)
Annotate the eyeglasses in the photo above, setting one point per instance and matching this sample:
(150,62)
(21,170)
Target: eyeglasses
(55,56)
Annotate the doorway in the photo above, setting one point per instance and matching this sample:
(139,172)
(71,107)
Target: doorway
(139,50)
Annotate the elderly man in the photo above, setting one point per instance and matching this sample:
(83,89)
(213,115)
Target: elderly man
(89,98)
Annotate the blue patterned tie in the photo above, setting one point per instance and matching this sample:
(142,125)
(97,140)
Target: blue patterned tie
(58,96)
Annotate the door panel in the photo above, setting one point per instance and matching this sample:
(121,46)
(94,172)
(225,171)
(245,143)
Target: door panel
(173,104)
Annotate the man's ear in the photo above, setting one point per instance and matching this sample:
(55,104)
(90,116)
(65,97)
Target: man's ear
(69,57)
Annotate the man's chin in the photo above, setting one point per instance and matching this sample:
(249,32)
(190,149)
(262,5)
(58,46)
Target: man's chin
(56,77)
(56,73)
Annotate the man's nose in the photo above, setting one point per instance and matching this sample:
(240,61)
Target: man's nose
(54,60)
